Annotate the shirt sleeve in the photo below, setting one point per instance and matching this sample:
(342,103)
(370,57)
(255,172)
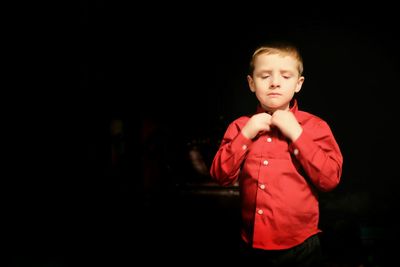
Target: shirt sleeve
(228,159)
(320,156)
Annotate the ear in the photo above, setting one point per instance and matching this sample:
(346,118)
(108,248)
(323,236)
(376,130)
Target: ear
(299,84)
(250,81)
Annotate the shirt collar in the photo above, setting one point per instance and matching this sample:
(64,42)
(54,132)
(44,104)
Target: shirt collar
(293,107)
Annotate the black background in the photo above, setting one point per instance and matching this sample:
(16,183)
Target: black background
(182,68)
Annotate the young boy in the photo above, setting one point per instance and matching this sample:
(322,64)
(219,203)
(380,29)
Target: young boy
(281,156)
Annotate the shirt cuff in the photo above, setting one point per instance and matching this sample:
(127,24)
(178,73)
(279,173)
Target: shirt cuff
(241,143)
(304,145)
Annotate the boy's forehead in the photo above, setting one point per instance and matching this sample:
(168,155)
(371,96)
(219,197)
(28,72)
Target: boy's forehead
(275,59)
(275,55)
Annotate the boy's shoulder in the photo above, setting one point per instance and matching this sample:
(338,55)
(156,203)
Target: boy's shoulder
(240,121)
(306,114)
(243,118)
(305,117)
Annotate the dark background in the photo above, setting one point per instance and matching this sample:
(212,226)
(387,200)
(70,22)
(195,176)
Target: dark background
(172,77)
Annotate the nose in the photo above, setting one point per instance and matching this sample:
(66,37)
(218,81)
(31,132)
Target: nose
(275,81)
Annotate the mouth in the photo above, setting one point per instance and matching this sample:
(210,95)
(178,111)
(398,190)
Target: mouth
(273,94)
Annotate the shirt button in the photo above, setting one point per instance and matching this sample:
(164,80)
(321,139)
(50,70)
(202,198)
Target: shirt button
(262,186)
(296,151)
(260,212)
(265,162)
(269,139)
(244,147)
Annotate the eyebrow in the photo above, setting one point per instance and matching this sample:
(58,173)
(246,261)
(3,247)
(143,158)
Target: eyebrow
(280,71)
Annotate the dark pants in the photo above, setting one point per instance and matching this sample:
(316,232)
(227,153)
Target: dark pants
(307,254)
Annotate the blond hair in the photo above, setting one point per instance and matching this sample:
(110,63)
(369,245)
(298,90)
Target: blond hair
(279,48)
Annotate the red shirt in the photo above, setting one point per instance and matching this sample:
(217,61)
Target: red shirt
(278,179)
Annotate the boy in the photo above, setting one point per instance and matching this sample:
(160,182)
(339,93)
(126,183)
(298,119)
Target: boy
(281,156)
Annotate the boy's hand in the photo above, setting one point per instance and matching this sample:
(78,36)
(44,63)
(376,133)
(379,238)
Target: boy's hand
(257,123)
(287,124)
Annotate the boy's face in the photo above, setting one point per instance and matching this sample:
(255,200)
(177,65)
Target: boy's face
(275,80)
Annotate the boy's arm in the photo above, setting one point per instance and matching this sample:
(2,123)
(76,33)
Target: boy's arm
(228,159)
(320,156)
